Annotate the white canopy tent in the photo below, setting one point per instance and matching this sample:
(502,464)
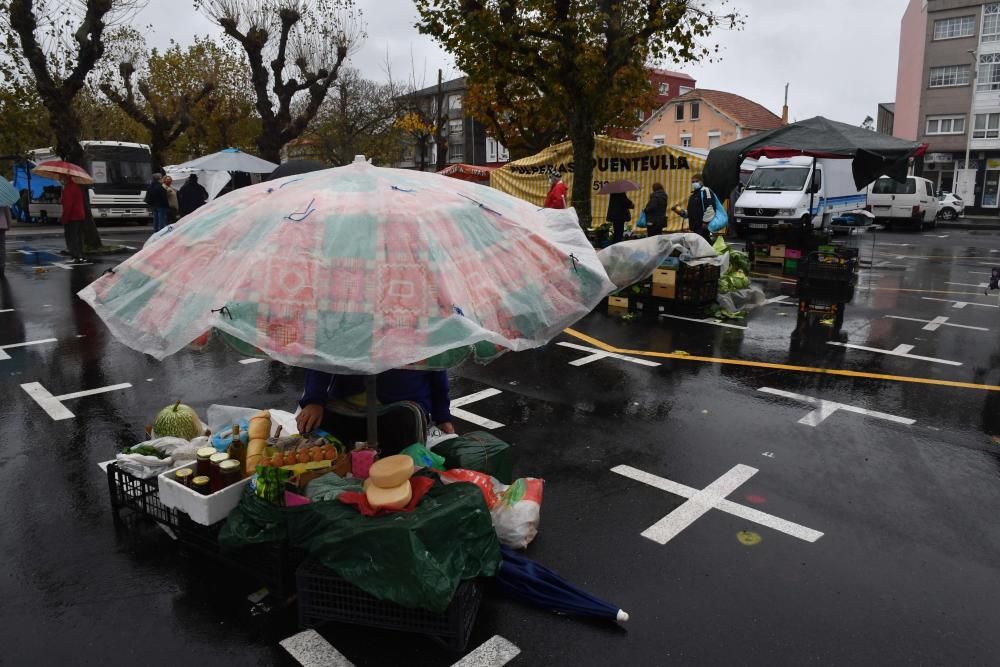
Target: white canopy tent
(212,181)
(230,159)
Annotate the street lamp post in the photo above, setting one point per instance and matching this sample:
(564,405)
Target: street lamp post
(969,125)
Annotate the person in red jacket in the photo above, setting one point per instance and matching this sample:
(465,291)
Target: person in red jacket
(72,217)
(557,192)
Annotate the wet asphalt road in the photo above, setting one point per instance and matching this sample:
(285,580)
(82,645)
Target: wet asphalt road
(906,570)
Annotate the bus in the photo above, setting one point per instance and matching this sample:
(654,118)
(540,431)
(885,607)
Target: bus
(122,171)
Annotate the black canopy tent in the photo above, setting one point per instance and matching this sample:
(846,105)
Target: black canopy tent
(874,154)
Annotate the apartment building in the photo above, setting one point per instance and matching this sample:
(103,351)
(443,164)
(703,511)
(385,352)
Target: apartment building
(704,118)
(948,95)
(667,85)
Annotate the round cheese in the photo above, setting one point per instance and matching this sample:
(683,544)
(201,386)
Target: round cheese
(391,471)
(395,498)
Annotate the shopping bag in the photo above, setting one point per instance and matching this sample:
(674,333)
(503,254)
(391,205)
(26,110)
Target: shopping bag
(641,223)
(720,219)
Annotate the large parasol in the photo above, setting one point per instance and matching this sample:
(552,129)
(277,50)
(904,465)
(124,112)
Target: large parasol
(55,168)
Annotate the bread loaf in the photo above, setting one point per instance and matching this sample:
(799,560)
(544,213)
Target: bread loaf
(260,426)
(255,452)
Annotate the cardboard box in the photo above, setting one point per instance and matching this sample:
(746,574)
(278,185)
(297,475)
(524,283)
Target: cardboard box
(618,302)
(778,250)
(793,253)
(665,291)
(664,277)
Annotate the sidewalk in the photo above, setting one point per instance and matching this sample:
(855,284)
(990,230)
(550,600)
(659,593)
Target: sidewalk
(980,222)
(57,230)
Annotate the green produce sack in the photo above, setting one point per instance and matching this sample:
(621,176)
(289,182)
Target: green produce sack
(415,559)
(479,451)
(424,457)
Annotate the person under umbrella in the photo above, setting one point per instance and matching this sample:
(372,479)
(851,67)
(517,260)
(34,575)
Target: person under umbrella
(191,196)
(619,213)
(656,211)
(72,217)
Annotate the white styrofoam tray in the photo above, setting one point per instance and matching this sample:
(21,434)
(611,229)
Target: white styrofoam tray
(205,510)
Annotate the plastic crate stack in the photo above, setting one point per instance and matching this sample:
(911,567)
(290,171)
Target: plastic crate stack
(826,279)
(674,286)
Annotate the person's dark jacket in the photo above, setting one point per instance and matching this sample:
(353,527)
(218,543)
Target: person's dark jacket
(697,202)
(428,388)
(618,207)
(191,196)
(656,209)
(156,195)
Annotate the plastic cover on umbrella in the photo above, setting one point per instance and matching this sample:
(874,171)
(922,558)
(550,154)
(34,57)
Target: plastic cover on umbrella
(531,582)
(8,193)
(358,269)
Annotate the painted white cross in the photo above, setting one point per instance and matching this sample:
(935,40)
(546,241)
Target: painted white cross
(960,304)
(898,351)
(776,299)
(826,408)
(712,496)
(53,405)
(473,418)
(601,354)
(3,348)
(310,649)
(494,652)
(707,320)
(936,323)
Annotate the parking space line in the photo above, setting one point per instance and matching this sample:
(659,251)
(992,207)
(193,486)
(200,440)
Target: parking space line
(825,408)
(960,304)
(738,472)
(250,361)
(979,285)
(776,299)
(937,322)
(471,417)
(601,354)
(53,405)
(6,310)
(494,652)
(708,320)
(898,351)
(311,650)
(3,348)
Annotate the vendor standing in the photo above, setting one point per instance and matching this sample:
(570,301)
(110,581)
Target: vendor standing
(429,389)
(699,202)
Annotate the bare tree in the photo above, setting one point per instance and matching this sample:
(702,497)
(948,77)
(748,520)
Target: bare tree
(292,47)
(58,45)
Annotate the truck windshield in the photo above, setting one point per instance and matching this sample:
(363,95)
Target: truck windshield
(118,169)
(779,178)
(887,186)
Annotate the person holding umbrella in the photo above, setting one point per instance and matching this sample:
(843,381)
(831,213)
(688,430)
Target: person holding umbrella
(72,217)
(656,211)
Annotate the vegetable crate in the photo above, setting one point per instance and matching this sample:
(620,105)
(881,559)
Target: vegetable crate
(137,496)
(272,564)
(323,597)
(838,266)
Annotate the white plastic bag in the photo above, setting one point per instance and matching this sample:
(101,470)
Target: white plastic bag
(144,466)
(516,510)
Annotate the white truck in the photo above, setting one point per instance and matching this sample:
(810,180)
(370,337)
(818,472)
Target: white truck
(799,190)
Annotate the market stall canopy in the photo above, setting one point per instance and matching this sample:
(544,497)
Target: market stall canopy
(321,271)
(8,194)
(467,172)
(293,167)
(230,159)
(873,153)
(212,180)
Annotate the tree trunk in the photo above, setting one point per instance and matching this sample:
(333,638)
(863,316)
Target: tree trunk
(583,170)
(66,125)
(269,144)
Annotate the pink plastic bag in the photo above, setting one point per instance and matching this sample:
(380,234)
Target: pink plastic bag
(361,462)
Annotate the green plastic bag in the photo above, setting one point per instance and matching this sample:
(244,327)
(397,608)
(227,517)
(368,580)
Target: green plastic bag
(424,457)
(479,451)
(415,559)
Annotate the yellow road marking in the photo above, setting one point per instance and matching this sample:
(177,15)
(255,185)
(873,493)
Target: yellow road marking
(780,367)
(881,289)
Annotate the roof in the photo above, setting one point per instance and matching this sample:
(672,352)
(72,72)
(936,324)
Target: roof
(676,75)
(888,106)
(746,113)
(455,85)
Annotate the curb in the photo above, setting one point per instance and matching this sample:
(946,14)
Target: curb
(985,226)
(58,231)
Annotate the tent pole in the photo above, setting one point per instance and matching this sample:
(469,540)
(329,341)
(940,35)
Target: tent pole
(812,196)
(371,406)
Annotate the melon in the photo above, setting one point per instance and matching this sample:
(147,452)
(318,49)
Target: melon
(178,420)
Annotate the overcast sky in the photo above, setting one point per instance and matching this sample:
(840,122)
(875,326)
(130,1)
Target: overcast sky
(838,55)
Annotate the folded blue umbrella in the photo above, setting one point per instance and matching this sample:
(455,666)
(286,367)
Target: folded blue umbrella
(531,582)
(8,195)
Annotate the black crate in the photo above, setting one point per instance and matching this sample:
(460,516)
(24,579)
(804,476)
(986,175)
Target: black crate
(697,273)
(324,597)
(697,293)
(272,564)
(811,289)
(829,267)
(138,496)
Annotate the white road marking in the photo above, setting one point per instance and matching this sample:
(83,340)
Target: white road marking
(898,351)
(826,408)
(601,354)
(494,652)
(708,320)
(6,310)
(3,348)
(311,650)
(901,245)
(250,361)
(70,267)
(979,285)
(980,273)
(739,472)
(933,325)
(776,299)
(53,405)
(960,304)
(470,417)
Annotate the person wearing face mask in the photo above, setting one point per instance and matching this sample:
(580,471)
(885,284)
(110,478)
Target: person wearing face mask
(699,203)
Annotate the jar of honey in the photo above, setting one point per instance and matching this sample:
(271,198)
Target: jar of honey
(230,472)
(202,484)
(184,476)
(204,463)
(214,473)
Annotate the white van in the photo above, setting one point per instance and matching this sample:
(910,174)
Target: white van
(912,203)
(797,190)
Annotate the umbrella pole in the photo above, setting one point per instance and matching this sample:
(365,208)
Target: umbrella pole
(371,403)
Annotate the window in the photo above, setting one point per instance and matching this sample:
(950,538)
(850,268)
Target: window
(679,112)
(930,192)
(958,26)
(945,125)
(987,126)
(991,22)
(714,139)
(888,186)
(664,89)
(641,115)
(695,110)
(454,127)
(686,142)
(988,77)
(817,179)
(456,151)
(455,102)
(950,75)
(659,140)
